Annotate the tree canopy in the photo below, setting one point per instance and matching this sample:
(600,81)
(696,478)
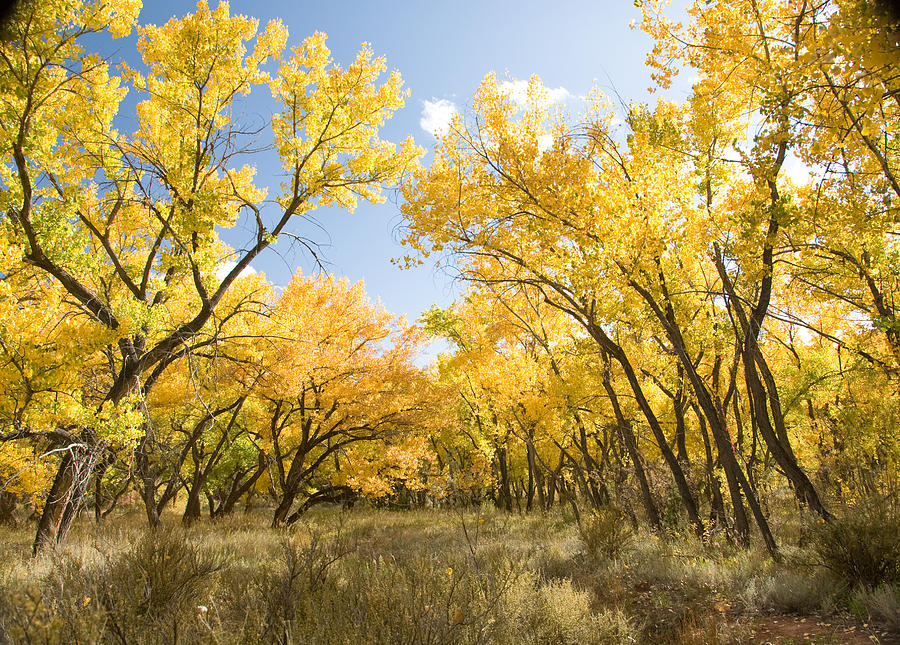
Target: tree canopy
(684,310)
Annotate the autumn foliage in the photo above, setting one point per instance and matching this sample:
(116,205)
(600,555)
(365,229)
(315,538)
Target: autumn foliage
(115,277)
(724,312)
(680,316)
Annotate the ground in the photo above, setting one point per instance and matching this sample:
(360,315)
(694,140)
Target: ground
(421,576)
(793,630)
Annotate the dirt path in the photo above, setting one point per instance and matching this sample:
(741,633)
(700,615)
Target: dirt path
(795,630)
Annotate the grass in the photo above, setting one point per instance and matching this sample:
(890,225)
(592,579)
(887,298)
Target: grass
(377,576)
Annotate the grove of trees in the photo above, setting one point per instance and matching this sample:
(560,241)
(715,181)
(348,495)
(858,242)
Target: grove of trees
(730,325)
(662,314)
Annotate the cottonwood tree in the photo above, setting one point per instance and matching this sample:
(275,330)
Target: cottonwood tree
(124,228)
(820,82)
(691,227)
(610,234)
(196,409)
(340,407)
(522,396)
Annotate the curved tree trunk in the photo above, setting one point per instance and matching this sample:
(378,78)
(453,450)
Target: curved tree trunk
(733,473)
(752,357)
(687,497)
(193,507)
(635,454)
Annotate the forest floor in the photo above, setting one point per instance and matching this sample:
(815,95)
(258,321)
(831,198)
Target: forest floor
(424,576)
(818,630)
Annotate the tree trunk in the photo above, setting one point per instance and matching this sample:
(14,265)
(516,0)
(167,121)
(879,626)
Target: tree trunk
(505,493)
(684,490)
(733,473)
(533,484)
(784,456)
(239,489)
(193,508)
(553,481)
(66,497)
(596,487)
(284,508)
(8,508)
(752,356)
(678,405)
(716,502)
(635,454)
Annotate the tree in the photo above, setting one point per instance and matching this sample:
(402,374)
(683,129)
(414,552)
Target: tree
(820,82)
(606,234)
(340,403)
(196,410)
(683,229)
(125,228)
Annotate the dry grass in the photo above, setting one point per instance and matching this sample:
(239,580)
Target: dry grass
(377,576)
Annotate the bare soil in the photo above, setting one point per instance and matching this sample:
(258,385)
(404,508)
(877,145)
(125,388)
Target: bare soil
(791,630)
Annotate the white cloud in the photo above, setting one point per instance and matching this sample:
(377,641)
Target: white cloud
(518,92)
(228,265)
(436,116)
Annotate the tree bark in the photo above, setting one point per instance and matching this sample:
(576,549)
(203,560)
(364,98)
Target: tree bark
(636,459)
(751,357)
(66,497)
(687,497)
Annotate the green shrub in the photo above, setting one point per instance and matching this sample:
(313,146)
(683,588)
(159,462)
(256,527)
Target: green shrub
(861,546)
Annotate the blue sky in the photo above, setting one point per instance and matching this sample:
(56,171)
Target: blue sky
(442,50)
